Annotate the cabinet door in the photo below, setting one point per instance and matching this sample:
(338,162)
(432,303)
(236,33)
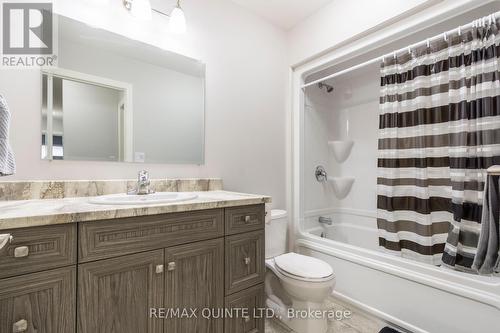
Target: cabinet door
(245,265)
(116,295)
(195,280)
(252,301)
(39,302)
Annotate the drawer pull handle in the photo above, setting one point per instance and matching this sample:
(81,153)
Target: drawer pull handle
(247,219)
(159,269)
(20,326)
(171,266)
(247,261)
(247,318)
(21,251)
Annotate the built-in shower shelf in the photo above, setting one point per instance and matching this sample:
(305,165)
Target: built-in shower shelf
(341,149)
(341,185)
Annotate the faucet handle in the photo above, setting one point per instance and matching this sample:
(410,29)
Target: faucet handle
(143,176)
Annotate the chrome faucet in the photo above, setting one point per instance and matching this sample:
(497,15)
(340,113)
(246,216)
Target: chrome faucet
(143,184)
(325,220)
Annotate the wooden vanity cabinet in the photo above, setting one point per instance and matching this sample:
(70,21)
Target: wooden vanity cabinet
(129,270)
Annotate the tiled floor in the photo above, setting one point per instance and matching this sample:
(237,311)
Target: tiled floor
(359,322)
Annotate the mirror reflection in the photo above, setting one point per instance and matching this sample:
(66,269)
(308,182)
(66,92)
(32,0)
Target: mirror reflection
(115,99)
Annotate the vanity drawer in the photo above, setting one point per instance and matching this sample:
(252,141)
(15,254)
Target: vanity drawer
(245,266)
(38,248)
(106,239)
(245,218)
(252,300)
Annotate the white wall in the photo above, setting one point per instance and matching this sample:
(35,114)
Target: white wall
(341,20)
(245,99)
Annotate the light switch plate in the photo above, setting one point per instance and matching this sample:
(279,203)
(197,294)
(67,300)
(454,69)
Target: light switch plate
(139,157)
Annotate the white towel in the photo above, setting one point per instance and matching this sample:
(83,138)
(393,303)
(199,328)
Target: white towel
(7,162)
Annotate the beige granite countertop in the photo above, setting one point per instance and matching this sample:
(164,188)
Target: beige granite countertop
(29,213)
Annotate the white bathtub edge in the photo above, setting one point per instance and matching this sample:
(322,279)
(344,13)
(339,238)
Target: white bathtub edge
(379,314)
(449,286)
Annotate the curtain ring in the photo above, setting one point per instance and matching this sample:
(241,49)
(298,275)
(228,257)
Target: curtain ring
(445,37)
(459,30)
(428,43)
(409,50)
(394,54)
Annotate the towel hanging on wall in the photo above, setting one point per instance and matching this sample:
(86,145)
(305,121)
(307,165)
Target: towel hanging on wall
(7,162)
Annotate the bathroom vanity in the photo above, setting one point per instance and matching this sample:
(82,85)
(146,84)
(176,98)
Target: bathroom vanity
(75,273)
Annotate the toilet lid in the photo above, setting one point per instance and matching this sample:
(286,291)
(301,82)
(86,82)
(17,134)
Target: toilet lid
(303,266)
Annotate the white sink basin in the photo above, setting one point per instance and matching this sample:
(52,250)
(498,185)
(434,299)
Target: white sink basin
(154,198)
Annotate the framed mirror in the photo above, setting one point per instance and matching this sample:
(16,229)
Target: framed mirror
(116,99)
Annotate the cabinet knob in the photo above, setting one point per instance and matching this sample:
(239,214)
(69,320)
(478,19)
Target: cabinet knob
(159,269)
(247,261)
(21,251)
(20,326)
(171,266)
(247,218)
(246,318)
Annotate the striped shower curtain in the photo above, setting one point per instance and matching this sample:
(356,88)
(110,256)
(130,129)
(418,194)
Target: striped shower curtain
(439,130)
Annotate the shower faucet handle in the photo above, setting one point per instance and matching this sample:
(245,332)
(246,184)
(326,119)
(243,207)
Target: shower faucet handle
(320,173)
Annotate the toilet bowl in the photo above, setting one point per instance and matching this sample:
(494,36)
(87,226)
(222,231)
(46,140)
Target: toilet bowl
(297,286)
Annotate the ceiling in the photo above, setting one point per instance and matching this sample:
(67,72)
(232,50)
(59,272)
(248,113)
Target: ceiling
(283,13)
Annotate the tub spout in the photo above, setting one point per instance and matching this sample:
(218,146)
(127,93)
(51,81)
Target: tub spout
(325,220)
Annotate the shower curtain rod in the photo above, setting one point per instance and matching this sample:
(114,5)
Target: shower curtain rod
(459,29)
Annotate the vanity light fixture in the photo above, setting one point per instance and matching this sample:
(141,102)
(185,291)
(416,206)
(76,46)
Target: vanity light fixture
(140,9)
(177,22)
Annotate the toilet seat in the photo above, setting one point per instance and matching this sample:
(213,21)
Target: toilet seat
(303,268)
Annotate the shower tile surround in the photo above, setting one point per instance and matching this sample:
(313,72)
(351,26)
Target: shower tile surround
(34,190)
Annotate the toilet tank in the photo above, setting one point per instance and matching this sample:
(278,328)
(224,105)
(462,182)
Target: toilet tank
(276,231)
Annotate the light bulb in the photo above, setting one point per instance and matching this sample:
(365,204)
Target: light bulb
(177,22)
(141,9)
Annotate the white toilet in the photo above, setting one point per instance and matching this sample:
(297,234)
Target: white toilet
(295,283)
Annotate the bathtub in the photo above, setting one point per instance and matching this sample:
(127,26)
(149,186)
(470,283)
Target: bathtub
(414,296)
